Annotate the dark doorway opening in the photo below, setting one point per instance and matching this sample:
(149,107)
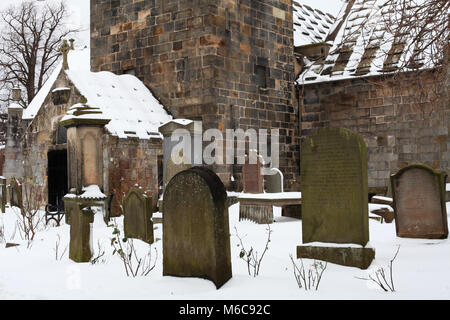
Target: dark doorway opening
(57,177)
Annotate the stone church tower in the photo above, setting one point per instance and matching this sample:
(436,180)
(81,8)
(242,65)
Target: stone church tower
(228,63)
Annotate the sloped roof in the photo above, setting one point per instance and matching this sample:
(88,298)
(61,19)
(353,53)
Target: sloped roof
(133,110)
(363,45)
(310,25)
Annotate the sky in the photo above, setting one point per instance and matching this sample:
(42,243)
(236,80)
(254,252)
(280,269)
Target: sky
(79,16)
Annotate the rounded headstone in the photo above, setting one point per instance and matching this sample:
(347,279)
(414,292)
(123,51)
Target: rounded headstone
(419,202)
(196,237)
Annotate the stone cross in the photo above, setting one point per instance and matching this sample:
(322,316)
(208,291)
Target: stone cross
(65,48)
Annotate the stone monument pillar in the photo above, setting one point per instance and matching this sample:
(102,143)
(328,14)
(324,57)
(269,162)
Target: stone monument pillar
(13,166)
(85,126)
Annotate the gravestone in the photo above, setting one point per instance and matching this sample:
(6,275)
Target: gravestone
(3,193)
(80,209)
(334,198)
(81,220)
(252,178)
(419,202)
(196,236)
(171,168)
(181,138)
(274,181)
(137,211)
(15,193)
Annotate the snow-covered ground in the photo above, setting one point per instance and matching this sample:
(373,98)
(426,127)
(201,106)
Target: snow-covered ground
(421,270)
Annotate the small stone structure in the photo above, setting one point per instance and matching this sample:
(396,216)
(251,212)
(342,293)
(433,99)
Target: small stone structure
(78,208)
(419,202)
(137,211)
(259,207)
(196,236)
(13,166)
(334,198)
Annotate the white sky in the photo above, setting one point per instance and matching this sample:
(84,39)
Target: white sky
(79,16)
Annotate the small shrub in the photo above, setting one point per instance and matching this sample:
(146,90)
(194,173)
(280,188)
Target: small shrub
(384,278)
(59,255)
(97,258)
(134,265)
(309,278)
(251,257)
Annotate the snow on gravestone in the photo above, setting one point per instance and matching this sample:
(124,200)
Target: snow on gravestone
(334,198)
(419,202)
(196,236)
(137,211)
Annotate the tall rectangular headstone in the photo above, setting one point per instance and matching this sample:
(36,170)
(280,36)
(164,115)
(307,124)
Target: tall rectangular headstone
(419,202)
(335,197)
(252,177)
(3,193)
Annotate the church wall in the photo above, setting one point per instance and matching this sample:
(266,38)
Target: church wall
(401,120)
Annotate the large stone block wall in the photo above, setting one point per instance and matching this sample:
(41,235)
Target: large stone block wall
(201,59)
(128,163)
(402,122)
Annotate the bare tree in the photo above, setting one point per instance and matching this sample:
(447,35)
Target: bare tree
(29,45)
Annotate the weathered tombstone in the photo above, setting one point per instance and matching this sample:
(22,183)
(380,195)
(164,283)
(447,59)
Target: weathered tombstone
(15,193)
(252,178)
(419,202)
(81,220)
(137,211)
(334,198)
(274,181)
(181,137)
(79,209)
(196,236)
(3,193)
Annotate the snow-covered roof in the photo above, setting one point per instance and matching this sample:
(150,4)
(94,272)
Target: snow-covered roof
(124,99)
(363,45)
(310,25)
(133,110)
